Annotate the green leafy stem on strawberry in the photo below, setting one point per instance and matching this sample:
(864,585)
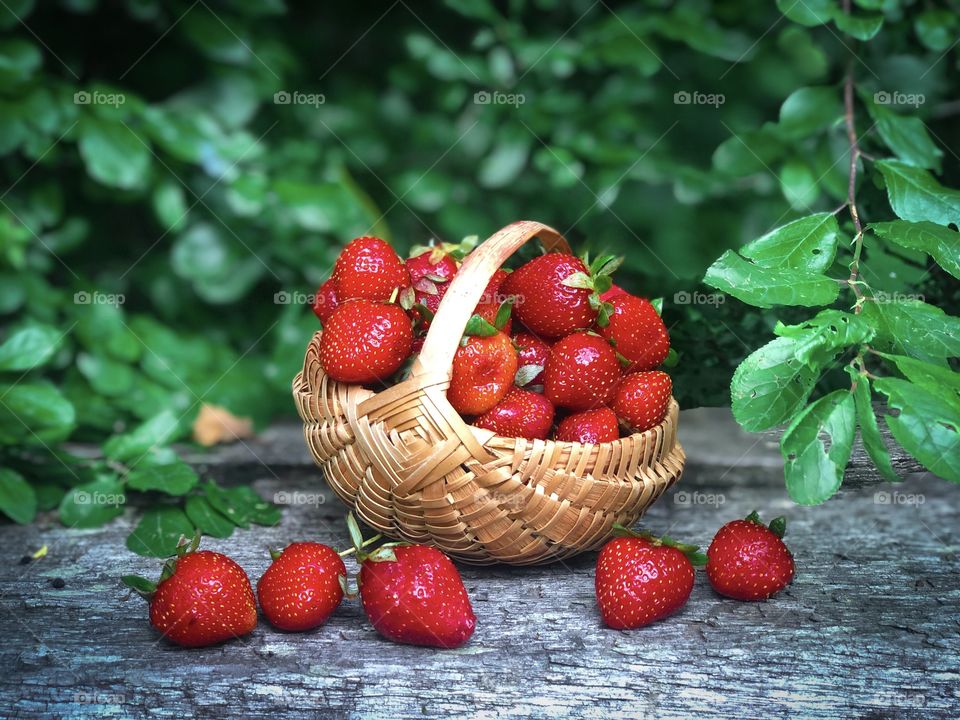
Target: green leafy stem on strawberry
(697,558)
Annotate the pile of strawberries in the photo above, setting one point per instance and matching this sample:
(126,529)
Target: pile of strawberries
(413,593)
(579,364)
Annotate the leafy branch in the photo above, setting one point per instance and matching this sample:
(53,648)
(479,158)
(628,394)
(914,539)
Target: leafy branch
(916,343)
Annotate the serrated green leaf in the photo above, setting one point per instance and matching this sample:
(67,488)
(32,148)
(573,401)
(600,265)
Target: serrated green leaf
(821,337)
(928,426)
(940,243)
(914,328)
(916,196)
(159,531)
(18,501)
(210,522)
(93,504)
(813,472)
(869,430)
(29,347)
(766,287)
(771,385)
(176,478)
(924,373)
(907,137)
(657,305)
(807,244)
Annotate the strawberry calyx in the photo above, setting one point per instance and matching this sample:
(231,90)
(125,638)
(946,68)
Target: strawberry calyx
(696,558)
(146,588)
(384,553)
(598,280)
(438,249)
(526,374)
(778,526)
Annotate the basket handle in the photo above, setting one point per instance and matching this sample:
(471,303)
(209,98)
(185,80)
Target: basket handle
(468,285)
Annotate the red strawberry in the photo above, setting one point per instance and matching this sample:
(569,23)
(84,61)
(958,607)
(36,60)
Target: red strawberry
(642,398)
(483,372)
(637,332)
(641,579)
(369,268)
(302,587)
(492,293)
(581,373)
(325,301)
(493,299)
(365,341)
(521,413)
(413,594)
(557,294)
(613,292)
(544,303)
(430,275)
(202,598)
(590,426)
(532,353)
(748,561)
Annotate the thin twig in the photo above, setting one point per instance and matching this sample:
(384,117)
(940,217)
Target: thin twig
(852,185)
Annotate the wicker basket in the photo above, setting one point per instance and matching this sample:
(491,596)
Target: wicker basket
(409,466)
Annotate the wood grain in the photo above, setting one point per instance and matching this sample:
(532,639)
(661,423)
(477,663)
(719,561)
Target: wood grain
(870,628)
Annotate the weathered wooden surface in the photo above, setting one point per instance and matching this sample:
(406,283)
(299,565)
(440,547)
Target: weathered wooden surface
(870,627)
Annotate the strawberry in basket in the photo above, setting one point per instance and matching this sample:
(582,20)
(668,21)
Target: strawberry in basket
(498,407)
(583,347)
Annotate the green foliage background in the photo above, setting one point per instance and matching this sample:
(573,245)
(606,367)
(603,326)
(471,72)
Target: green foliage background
(206,204)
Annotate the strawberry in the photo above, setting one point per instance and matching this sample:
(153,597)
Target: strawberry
(642,398)
(581,372)
(365,341)
(557,294)
(532,353)
(641,578)
(430,275)
(590,426)
(484,367)
(302,587)
(202,598)
(637,332)
(413,594)
(325,301)
(492,300)
(521,413)
(747,560)
(369,268)
(614,291)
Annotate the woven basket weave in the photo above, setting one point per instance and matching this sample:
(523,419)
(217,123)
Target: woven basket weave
(409,466)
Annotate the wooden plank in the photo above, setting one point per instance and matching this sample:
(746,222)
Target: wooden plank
(869,628)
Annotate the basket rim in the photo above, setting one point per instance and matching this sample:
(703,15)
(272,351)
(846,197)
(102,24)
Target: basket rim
(304,387)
